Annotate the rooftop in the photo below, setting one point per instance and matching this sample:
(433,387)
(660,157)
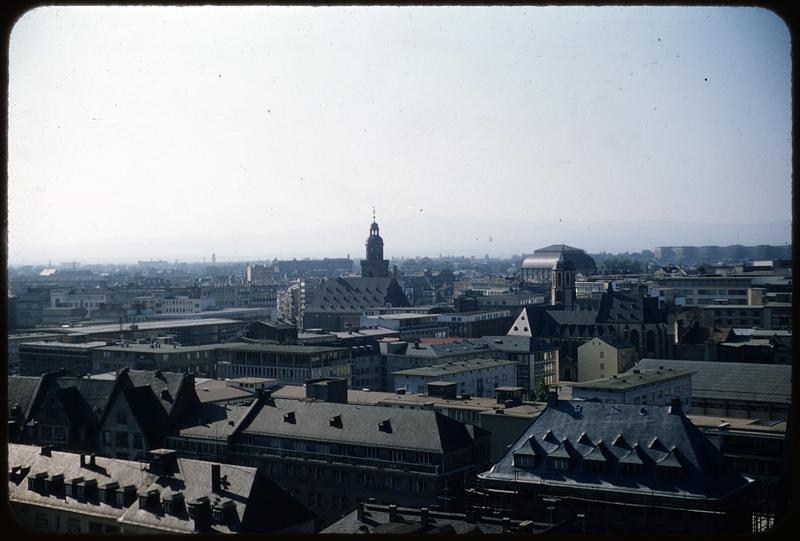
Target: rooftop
(733,381)
(631,379)
(453,367)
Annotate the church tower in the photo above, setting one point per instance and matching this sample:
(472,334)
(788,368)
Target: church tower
(374,266)
(562,287)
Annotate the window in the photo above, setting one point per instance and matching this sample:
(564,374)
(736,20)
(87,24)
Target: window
(122,418)
(59,433)
(560,464)
(95,527)
(106,438)
(122,439)
(137,441)
(40,520)
(73,525)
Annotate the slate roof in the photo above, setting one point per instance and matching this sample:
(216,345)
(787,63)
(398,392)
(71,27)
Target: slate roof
(211,421)
(629,433)
(158,381)
(376,520)
(423,430)
(260,505)
(616,342)
(456,367)
(733,381)
(122,471)
(356,294)
(22,391)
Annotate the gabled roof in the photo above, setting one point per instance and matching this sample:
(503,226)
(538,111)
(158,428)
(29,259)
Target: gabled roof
(22,391)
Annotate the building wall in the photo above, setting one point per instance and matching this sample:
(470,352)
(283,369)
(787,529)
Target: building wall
(657,393)
(599,359)
(47,519)
(120,436)
(479,382)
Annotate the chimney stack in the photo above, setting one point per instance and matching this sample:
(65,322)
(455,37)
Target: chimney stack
(424,516)
(552,398)
(506,525)
(360,510)
(675,406)
(215,478)
(393,513)
(83,460)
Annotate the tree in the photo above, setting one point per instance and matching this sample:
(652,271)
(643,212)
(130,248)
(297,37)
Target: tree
(540,391)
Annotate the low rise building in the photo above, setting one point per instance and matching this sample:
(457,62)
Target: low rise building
(409,326)
(370,517)
(474,377)
(625,468)
(332,455)
(477,323)
(645,386)
(36,358)
(56,492)
(286,363)
(740,390)
(604,356)
(200,360)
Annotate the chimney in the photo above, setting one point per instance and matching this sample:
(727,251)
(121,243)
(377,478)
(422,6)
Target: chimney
(506,525)
(549,514)
(93,459)
(83,460)
(581,522)
(552,398)
(424,516)
(526,526)
(199,510)
(46,450)
(675,406)
(360,510)
(471,514)
(393,513)
(215,484)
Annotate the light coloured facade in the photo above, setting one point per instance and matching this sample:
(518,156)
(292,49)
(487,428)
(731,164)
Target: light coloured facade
(653,387)
(601,357)
(475,377)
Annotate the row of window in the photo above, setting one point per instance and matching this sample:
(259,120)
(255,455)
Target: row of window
(122,439)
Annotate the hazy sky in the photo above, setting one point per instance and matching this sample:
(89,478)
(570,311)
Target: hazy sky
(258,132)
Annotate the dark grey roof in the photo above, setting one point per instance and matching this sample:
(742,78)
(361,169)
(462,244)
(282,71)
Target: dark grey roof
(211,421)
(616,342)
(629,433)
(158,381)
(733,381)
(356,294)
(21,392)
(376,520)
(261,506)
(424,430)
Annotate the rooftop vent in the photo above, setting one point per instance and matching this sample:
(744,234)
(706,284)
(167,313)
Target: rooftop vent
(336,421)
(385,426)
(289,417)
(173,503)
(223,511)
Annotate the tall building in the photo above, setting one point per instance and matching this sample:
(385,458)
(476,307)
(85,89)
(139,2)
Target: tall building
(374,266)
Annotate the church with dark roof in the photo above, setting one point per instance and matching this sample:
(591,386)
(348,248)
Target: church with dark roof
(338,304)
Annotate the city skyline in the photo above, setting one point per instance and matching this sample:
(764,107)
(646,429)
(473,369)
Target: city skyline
(272,132)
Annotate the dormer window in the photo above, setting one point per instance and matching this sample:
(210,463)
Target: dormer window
(559,463)
(524,460)
(336,421)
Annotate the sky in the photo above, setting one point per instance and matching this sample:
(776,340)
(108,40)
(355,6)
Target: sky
(261,132)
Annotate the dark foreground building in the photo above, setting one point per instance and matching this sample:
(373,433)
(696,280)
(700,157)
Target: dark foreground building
(625,468)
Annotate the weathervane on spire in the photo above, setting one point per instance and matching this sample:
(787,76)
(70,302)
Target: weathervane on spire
(373,213)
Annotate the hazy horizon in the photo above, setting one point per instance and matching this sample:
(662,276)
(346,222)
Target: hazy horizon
(260,132)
